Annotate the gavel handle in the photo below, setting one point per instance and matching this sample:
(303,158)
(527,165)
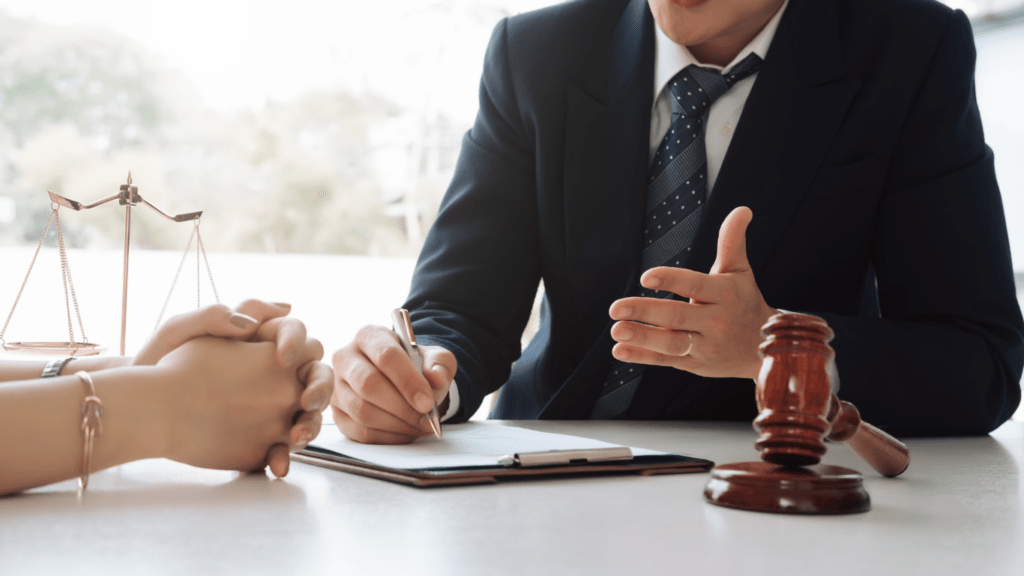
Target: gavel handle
(887,455)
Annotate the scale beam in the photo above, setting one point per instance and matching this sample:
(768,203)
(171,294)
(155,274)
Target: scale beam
(127,196)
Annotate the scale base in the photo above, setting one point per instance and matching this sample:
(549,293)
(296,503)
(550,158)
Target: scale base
(765,487)
(55,348)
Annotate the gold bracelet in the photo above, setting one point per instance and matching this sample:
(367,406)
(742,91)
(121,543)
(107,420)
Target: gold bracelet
(92,426)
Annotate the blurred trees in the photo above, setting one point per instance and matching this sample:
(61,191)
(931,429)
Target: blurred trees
(80,107)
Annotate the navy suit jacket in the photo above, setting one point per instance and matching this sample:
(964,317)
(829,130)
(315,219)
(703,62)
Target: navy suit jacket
(860,152)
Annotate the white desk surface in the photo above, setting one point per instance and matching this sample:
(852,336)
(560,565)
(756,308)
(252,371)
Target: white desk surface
(957,510)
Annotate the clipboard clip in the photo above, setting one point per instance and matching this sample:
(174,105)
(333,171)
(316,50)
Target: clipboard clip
(565,457)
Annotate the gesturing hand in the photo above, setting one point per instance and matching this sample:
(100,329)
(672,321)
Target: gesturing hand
(379,397)
(723,317)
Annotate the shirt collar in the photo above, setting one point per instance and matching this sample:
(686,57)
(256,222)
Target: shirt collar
(670,58)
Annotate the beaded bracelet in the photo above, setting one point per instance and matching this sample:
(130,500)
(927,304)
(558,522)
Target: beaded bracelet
(92,426)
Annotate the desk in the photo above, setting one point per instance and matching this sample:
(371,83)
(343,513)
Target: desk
(957,510)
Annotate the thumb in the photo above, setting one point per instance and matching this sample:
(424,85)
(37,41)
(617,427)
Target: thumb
(214,320)
(439,367)
(732,242)
(278,459)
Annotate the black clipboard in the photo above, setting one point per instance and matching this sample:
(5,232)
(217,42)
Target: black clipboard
(518,466)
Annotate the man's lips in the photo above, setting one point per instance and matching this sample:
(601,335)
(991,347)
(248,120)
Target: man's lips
(688,3)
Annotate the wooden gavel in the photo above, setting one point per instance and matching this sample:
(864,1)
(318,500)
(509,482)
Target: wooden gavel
(798,408)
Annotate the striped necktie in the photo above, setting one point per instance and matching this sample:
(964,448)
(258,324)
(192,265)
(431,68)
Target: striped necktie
(676,194)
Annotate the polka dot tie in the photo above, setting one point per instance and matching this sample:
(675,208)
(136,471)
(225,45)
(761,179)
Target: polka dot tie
(676,194)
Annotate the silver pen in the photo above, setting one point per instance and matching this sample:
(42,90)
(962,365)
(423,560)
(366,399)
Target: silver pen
(402,326)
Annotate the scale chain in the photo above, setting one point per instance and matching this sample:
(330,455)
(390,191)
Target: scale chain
(199,288)
(209,274)
(25,281)
(175,281)
(200,249)
(68,282)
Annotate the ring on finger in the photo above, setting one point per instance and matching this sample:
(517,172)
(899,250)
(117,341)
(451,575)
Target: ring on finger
(690,347)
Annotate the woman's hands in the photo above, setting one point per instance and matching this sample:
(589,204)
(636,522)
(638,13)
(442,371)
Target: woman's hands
(257,321)
(224,403)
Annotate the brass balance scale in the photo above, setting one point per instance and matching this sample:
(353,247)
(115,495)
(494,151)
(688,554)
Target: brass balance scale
(128,196)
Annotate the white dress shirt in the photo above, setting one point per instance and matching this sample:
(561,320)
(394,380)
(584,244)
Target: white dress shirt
(720,121)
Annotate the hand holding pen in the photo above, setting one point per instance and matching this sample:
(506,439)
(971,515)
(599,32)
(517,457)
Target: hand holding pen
(380,394)
(402,326)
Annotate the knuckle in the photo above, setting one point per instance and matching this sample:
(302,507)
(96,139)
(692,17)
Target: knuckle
(315,348)
(678,317)
(340,358)
(217,310)
(364,381)
(360,433)
(390,355)
(295,325)
(366,333)
(249,304)
(362,411)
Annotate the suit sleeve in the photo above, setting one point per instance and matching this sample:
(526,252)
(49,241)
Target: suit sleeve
(947,354)
(475,281)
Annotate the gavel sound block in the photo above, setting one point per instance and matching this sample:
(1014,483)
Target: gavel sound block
(797,412)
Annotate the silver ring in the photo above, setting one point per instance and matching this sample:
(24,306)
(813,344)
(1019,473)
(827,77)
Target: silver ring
(690,347)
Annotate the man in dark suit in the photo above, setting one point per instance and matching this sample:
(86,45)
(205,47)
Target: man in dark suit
(858,149)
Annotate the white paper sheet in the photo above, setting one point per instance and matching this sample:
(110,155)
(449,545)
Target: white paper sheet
(469,444)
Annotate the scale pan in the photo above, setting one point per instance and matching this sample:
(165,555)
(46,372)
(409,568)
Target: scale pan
(55,348)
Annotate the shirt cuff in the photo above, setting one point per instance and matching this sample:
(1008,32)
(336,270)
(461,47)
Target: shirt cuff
(453,402)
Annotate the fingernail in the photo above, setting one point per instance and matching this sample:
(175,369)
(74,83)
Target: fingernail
(284,305)
(315,402)
(621,353)
(624,334)
(652,281)
(423,402)
(300,435)
(625,312)
(242,321)
(309,436)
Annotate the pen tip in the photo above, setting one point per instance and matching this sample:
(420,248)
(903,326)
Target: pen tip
(435,425)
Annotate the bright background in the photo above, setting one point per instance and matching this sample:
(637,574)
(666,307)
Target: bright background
(317,137)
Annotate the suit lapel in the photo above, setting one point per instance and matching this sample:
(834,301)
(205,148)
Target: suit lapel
(792,114)
(608,118)
(606,141)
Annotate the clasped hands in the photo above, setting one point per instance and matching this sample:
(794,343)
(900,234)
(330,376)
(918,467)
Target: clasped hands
(248,385)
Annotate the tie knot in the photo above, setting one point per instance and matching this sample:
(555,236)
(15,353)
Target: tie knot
(694,89)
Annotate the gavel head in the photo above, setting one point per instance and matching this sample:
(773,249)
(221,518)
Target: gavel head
(793,389)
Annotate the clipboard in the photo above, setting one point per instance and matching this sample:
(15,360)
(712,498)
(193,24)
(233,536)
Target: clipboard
(608,460)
